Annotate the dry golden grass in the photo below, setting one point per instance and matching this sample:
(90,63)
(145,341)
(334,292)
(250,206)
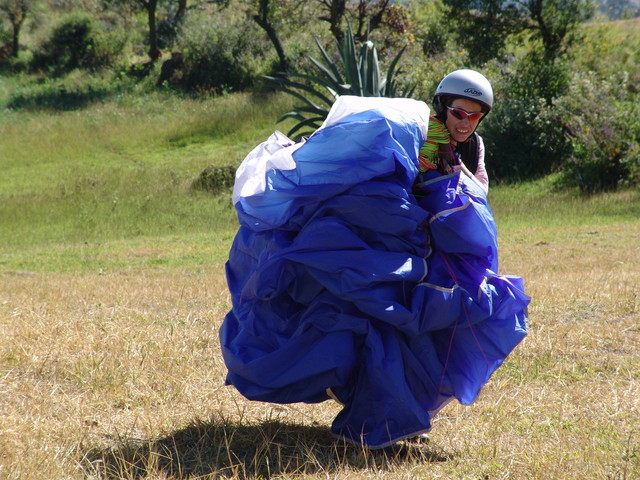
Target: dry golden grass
(120,375)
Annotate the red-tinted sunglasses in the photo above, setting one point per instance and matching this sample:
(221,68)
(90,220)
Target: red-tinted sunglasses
(462,114)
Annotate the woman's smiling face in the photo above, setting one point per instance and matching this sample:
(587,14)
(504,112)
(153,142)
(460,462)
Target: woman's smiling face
(460,130)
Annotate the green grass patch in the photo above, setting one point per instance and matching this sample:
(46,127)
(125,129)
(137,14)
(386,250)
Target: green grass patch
(194,252)
(118,172)
(540,204)
(82,188)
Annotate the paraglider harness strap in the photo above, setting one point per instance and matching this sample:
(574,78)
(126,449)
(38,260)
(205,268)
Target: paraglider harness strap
(455,327)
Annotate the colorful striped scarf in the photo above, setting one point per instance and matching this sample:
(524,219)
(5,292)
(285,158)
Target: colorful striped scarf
(437,134)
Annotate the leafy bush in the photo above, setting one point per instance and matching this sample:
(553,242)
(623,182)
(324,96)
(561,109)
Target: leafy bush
(483,27)
(535,76)
(430,54)
(70,44)
(590,133)
(79,40)
(110,49)
(5,43)
(221,54)
(524,139)
(215,179)
(524,133)
(602,122)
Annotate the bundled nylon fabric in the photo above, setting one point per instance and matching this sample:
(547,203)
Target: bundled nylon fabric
(355,277)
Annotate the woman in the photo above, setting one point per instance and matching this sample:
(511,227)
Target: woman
(463,98)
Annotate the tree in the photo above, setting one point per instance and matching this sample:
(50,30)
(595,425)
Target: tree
(366,15)
(369,15)
(180,11)
(484,26)
(555,22)
(151,7)
(264,18)
(16,11)
(335,10)
(162,28)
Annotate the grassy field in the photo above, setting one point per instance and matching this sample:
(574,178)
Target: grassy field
(112,291)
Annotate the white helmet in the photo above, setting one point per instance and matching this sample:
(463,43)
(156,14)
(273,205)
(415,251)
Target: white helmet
(464,84)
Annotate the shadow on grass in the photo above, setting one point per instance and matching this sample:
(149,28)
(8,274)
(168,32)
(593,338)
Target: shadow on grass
(259,451)
(58,99)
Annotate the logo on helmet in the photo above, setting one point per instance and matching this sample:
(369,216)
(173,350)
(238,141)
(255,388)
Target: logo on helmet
(473,91)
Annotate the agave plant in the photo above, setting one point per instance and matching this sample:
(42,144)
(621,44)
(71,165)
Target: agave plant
(359,75)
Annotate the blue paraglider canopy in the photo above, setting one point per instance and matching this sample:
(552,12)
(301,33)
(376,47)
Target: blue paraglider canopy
(354,278)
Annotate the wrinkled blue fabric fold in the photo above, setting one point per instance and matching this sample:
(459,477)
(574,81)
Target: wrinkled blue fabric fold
(351,272)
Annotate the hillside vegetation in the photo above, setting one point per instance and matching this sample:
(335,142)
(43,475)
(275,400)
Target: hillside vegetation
(565,81)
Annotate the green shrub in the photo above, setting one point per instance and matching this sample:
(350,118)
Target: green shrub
(221,54)
(602,121)
(70,45)
(110,49)
(13,65)
(5,43)
(535,76)
(589,131)
(525,133)
(215,179)
(76,40)
(524,139)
